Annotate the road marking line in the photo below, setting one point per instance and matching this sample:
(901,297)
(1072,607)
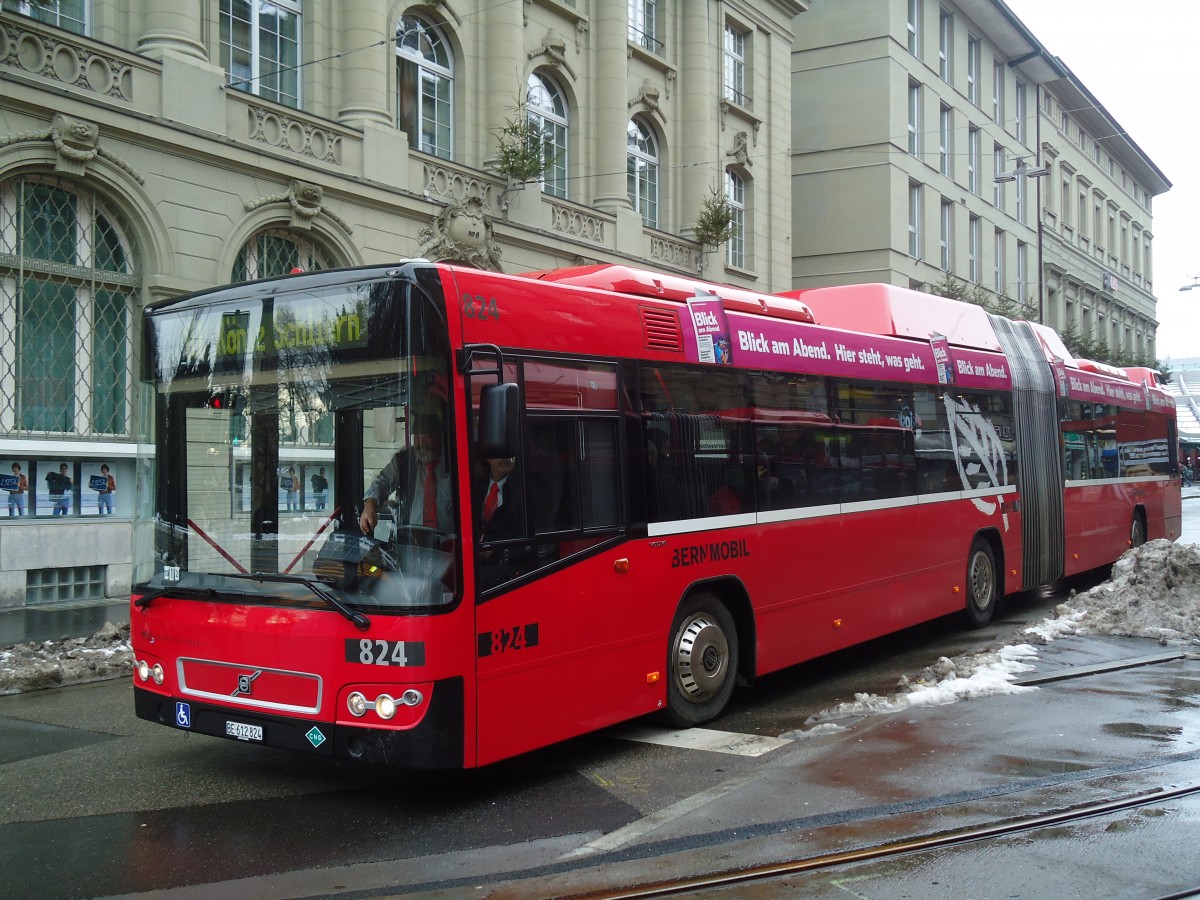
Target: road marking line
(634,830)
(701,739)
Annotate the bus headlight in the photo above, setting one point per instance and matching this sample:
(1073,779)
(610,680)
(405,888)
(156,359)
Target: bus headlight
(357,704)
(157,672)
(411,698)
(385,706)
(143,670)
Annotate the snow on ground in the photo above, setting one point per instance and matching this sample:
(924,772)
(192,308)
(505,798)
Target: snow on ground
(33,665)
(1153,592)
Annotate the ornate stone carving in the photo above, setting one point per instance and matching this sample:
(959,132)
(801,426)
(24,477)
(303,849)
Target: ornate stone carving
(77,143)
(674,253)
(554,48)
(647,98)
(21,47)
(577,223)
(286,133)
(306,200)
(462,233)
(741,150)
(457,186)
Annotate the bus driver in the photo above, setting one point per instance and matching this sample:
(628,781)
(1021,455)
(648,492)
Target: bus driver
(419,479)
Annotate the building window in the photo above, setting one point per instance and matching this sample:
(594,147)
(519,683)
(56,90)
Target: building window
(424,87)
(974,55)
(69,15)
(1081,210)
(1021,193)
(914,27)
(946,236)
(735,67)
(914,219)
(945,43)
(643,25)
(998,92)
(260,48)
(973,159)
(1022,271)
(999,255)
(914,118)
(997,168)
(68,285)
(275,252)
(1065,212)
(946,141)
(1020,102)
(974,237)
(547,111)
(642,172)
(735,195)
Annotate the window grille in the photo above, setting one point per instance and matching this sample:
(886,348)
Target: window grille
(68,284)
(274,252)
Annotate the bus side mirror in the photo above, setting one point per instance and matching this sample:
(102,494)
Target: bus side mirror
(498,425)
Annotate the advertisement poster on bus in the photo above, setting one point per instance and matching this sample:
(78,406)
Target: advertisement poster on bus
(712,329)
(941,358)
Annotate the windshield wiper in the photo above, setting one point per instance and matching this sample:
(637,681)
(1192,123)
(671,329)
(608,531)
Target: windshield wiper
(175,590)
(360,620)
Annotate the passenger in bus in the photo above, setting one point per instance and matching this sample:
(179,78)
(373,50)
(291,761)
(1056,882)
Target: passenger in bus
(419,480)
(501,509)
(727,500)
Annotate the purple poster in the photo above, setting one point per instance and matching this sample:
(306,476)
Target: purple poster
(941,358)
(712,330)
(813,349)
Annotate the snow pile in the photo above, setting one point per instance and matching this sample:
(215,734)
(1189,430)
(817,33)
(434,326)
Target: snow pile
(33,665)
(1153,592)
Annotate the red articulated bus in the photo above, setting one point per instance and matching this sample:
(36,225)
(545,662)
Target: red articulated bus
(695,485)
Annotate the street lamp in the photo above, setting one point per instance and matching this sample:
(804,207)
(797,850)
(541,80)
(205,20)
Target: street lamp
(1024,170)
(1195,284)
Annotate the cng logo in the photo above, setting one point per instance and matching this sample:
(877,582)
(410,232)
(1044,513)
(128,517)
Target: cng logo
(315,737)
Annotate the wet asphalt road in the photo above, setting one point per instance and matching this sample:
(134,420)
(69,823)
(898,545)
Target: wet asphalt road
(99,803)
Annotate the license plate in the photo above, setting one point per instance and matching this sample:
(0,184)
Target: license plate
(244,732)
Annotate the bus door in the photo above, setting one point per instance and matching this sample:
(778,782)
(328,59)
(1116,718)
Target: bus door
(553,619)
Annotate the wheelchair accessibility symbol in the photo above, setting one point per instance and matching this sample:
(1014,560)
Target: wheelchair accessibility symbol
(183,715)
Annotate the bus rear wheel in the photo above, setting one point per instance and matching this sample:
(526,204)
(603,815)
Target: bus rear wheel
(702,661)
(982,584)
(1137,531)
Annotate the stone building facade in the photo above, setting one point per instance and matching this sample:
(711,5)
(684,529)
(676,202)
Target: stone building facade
(160,147)
(940,137)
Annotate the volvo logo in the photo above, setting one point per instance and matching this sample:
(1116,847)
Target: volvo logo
(244,683)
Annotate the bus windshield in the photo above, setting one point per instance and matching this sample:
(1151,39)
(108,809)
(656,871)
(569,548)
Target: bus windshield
(278,412)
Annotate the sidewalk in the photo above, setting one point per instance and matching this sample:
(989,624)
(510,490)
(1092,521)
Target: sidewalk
(53,623)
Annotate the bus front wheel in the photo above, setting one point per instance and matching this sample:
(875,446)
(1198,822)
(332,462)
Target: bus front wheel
(702,661)
(982,584)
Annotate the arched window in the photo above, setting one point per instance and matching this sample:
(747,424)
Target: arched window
(735,196)
(67,288)
(424,87)
(274,252)
(642,172)
(548,111)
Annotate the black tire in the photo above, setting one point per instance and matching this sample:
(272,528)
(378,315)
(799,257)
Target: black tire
(983,588)
(702,661)
(1137,531)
